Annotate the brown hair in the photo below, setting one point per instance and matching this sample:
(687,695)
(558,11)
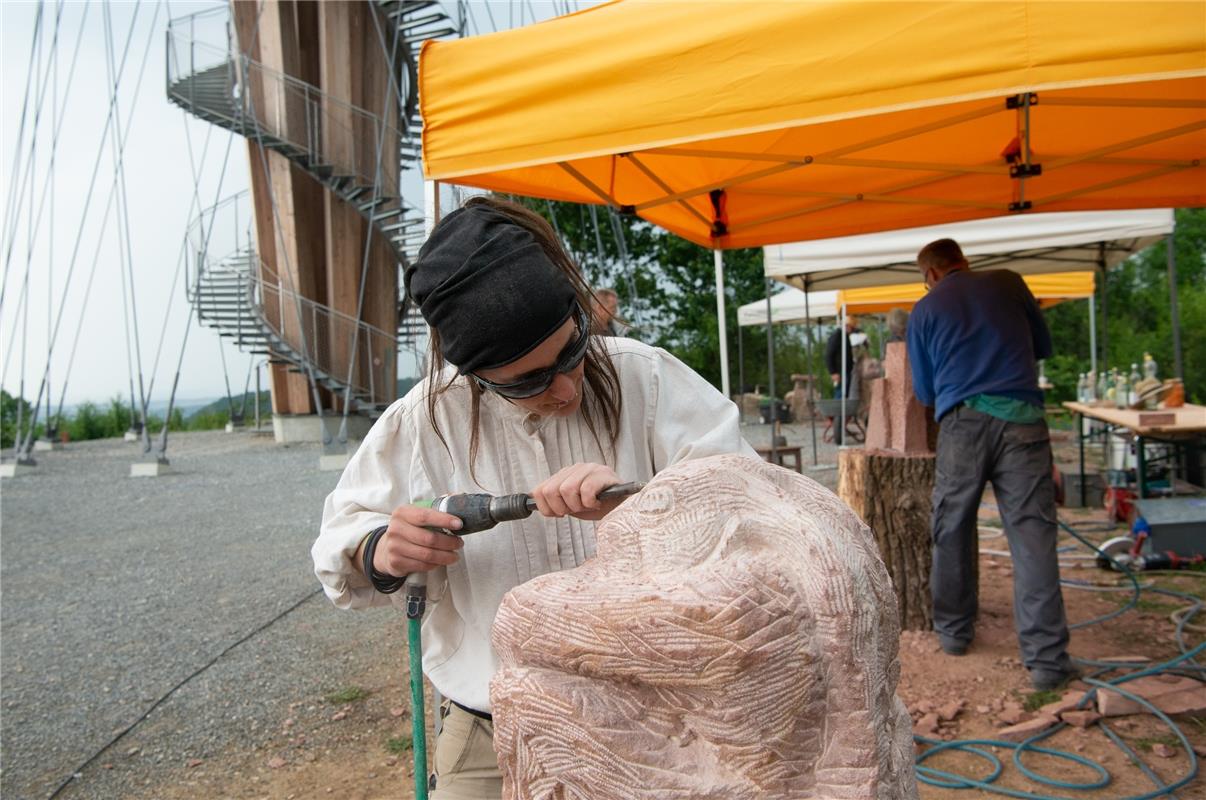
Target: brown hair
(940,255)
(601,401)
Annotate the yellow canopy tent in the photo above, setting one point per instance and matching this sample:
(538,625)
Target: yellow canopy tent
(1049,289)
(788,307)
(736,124)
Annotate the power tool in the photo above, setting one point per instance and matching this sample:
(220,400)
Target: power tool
(481,512)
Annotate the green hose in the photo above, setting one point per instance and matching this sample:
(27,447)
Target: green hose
(1183,663)
(418,714)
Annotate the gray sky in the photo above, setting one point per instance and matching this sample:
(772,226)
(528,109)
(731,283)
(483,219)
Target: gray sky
(160,196)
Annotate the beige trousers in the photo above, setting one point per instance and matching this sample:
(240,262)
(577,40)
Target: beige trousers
(465,765)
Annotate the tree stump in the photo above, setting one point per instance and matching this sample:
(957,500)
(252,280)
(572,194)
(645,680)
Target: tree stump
(891,493)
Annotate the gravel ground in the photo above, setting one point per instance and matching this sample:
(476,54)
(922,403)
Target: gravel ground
(115,590)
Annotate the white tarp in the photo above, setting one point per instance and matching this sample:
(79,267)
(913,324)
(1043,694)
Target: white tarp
(787,308)
(1025,243)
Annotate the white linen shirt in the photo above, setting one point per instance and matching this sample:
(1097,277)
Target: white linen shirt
(669,414)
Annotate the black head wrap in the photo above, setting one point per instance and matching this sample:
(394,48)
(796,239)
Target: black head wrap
(488,288)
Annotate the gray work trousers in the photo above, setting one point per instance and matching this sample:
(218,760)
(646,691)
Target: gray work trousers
(974,448)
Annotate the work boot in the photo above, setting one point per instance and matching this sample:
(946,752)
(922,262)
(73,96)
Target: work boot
(1046,680)
(953,647)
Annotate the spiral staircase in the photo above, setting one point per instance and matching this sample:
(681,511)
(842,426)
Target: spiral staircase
(236,293)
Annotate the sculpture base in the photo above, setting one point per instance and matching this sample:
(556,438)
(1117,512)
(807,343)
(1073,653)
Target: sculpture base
(891,493)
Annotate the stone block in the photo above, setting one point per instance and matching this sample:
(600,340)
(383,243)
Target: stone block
(130,436)
(1024,730)
(1080,719)
(879,423)
(736,636)
(907,413)
(149,469)
(1067,702)
(1172,694)
(11,469)
(45,445)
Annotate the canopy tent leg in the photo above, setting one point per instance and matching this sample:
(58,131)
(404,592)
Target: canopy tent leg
(770,372)
(843,389)
(724,345)
(740,360)
(811,370)
(1093,336)
(1172,303)
(1105,308)
(431,205)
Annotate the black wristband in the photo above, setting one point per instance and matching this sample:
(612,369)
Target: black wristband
(386,584)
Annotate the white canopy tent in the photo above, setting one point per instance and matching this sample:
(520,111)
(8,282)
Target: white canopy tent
(790,307)
(1027,243)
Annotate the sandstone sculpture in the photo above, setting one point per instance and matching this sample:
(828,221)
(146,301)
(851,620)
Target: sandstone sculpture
(896,420)
(735,637)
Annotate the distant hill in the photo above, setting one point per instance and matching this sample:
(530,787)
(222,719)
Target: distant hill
(222,406)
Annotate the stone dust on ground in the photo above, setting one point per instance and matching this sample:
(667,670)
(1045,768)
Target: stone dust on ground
(345,730)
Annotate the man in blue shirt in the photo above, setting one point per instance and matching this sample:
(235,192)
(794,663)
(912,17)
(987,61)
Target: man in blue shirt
(974,340)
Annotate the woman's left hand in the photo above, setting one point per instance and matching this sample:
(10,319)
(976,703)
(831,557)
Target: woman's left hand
(574,491)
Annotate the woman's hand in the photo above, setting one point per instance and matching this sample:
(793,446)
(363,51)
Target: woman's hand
(407,547)
(574,491)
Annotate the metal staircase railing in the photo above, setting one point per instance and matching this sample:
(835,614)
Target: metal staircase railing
(342,146)
(242,298)
(339,144)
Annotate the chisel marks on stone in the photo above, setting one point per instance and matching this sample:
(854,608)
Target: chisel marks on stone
(736,637)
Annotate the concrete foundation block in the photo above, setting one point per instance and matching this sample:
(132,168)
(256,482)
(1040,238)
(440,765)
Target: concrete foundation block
(130,436)
(333,462)
(45,445)
(149,469)
(11,469)
(290,429)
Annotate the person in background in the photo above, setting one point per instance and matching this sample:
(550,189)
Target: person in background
(974,341)
(898,325)
(833,356)
(519,397)
(604,307)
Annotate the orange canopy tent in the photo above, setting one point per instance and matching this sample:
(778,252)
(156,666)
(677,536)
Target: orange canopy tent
(740,124)
(737,124)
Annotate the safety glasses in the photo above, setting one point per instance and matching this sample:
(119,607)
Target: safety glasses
(539,381)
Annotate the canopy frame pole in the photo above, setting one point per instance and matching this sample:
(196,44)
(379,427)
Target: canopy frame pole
(1105,308)
(1172,302)
(812,383)
(1093,339)
(740,360)
(718,259)
(845,385)
(770,373)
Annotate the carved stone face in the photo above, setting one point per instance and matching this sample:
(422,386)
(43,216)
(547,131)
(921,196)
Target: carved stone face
(735,637)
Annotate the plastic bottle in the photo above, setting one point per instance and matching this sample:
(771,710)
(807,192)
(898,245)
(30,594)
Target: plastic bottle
(1080,388)
(1149,366)
(1090,387)
(1103,387)
(1132,384)
(1121,390)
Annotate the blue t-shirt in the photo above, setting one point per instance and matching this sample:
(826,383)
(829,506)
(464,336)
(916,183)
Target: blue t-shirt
(977,333)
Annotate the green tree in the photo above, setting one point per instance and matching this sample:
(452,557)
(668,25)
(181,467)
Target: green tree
(1140,315)
(9,406)
(666,287)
